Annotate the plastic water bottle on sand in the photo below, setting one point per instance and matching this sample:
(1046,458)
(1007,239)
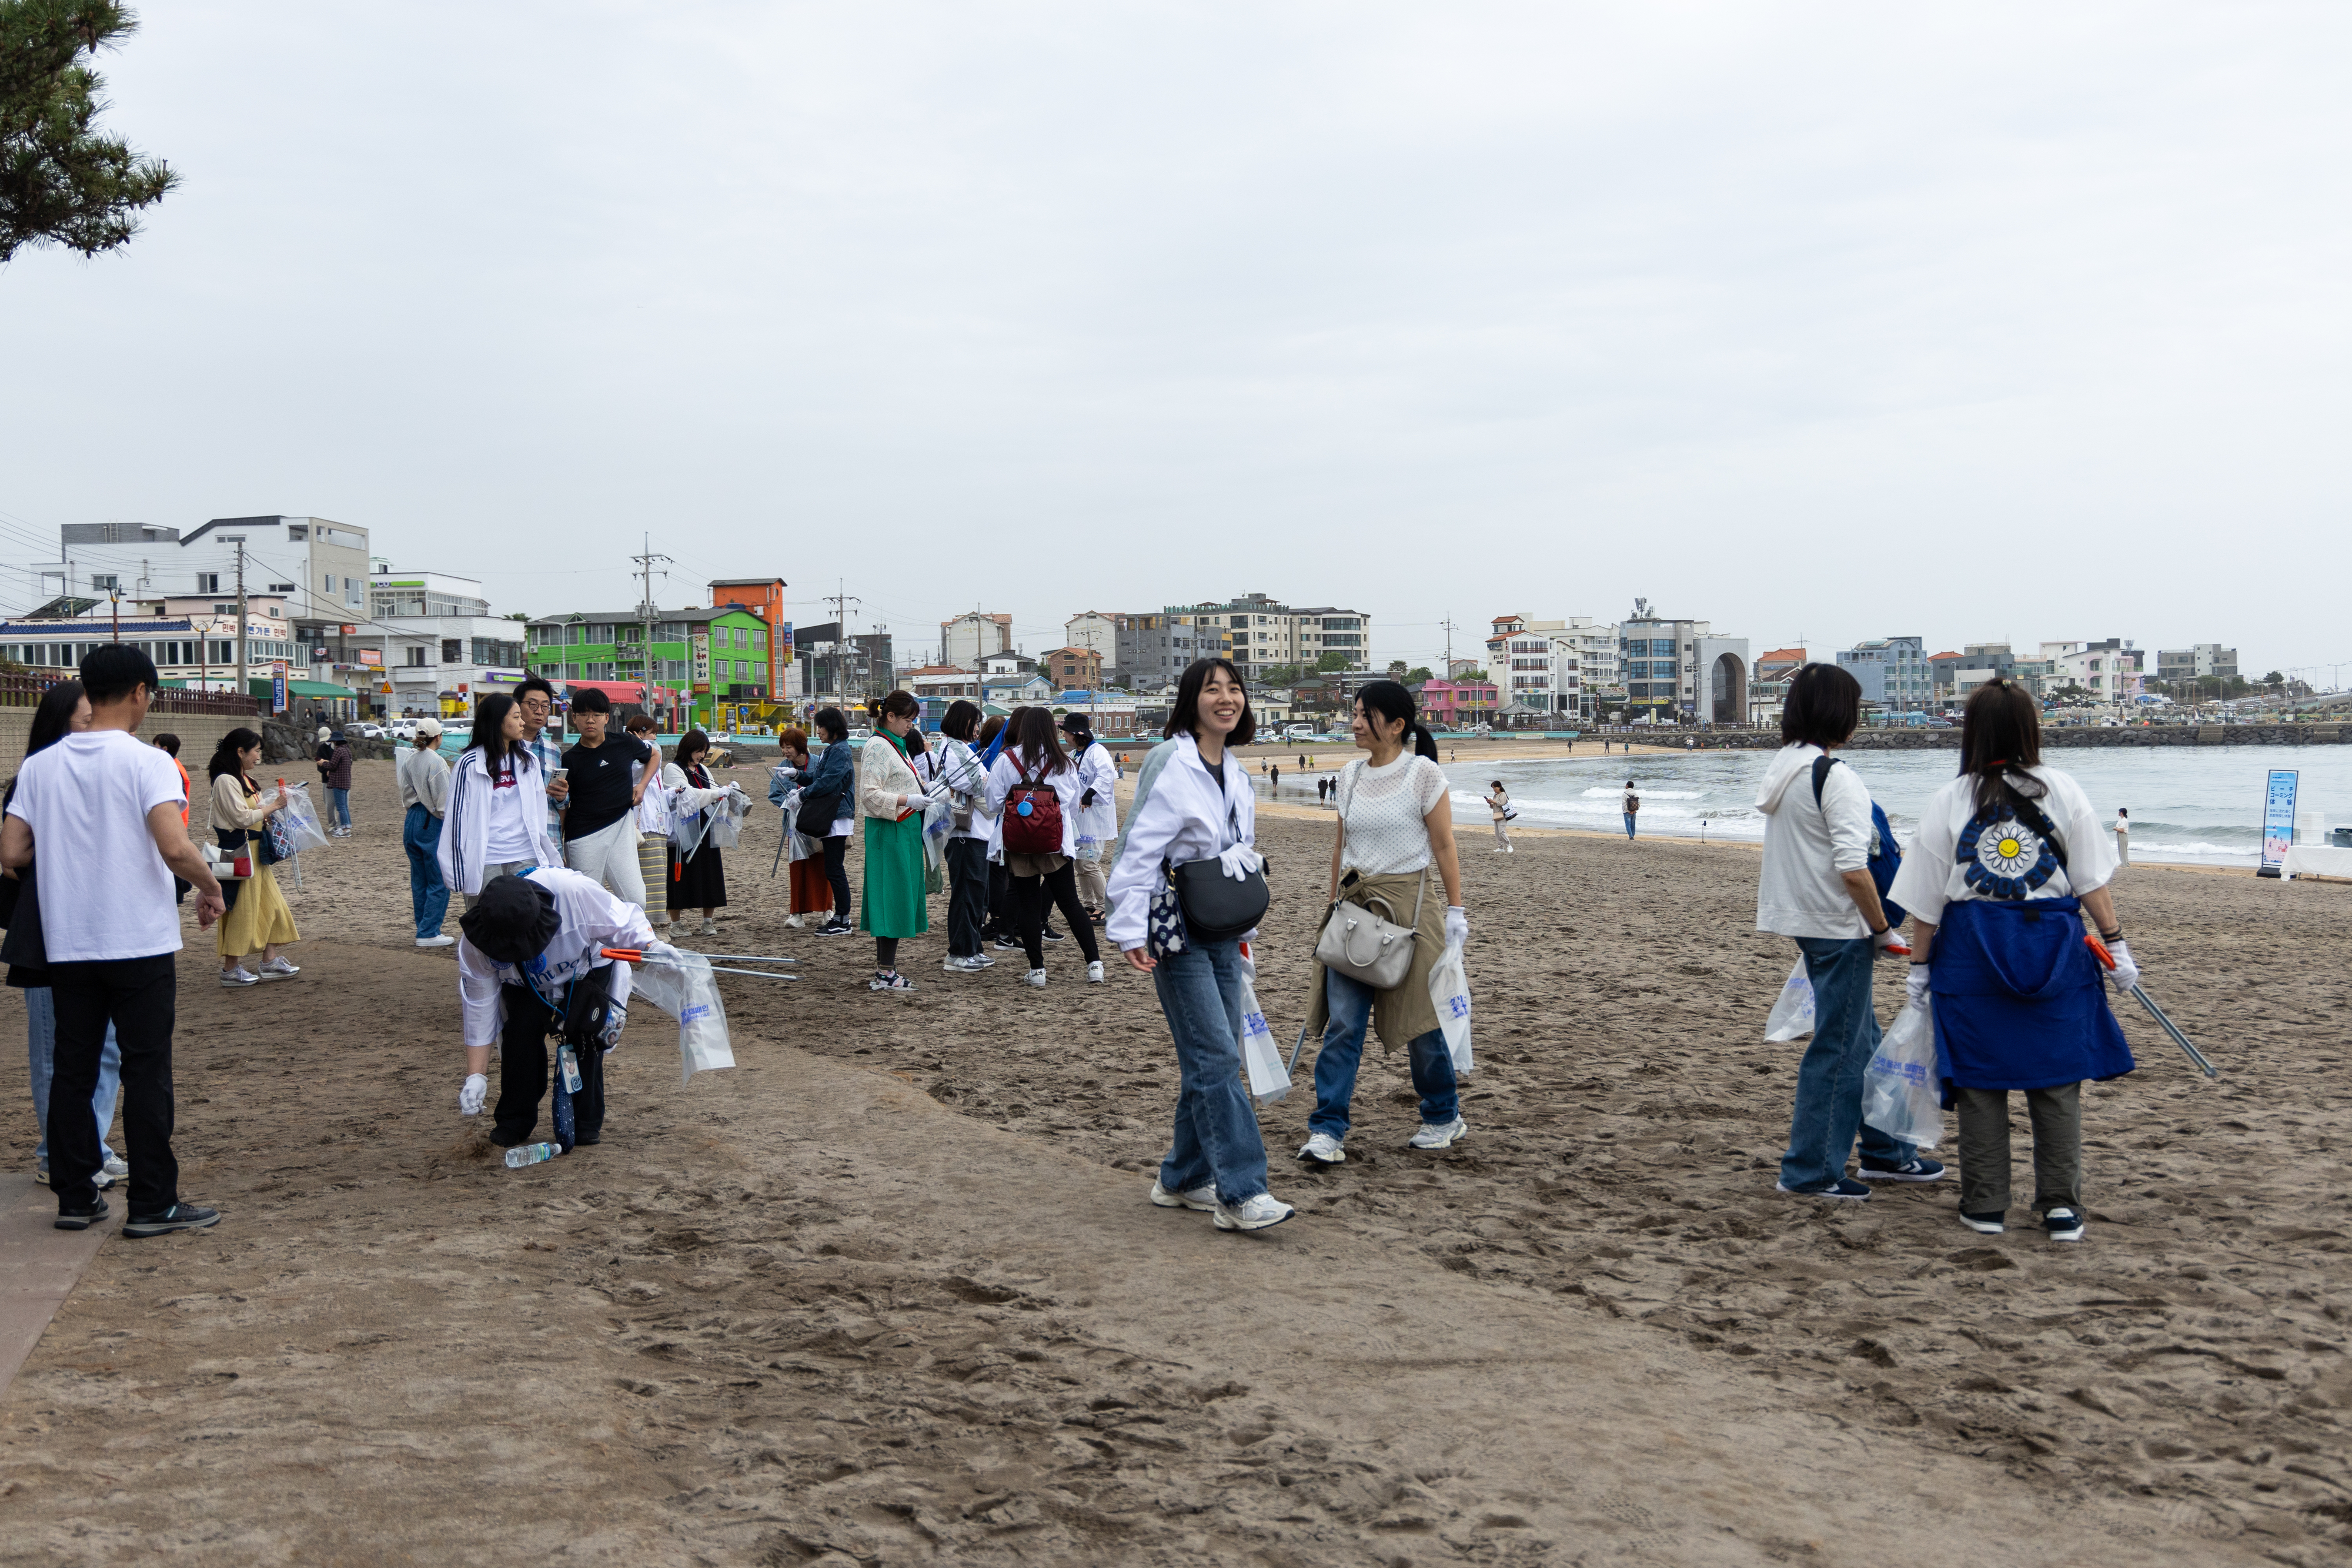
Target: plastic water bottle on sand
(523,1154)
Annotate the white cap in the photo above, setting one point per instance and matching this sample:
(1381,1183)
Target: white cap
(430,728)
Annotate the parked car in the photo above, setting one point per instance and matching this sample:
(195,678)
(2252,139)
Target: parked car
(1298,732)
(367,731)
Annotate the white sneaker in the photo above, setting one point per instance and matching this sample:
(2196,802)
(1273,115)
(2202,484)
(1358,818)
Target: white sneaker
(436,941)
(279,968)
(709,928)
(1438,1137)
(1324,1150)
(980,961)
(1094,973)
(972,965)
(1202,1198)
(240,976)
(1253,1214)
(791,922)
(1037,978)
(116,1168)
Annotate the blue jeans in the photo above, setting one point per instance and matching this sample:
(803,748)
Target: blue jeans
(1216,1136)
(1829,1080)
(428,895)
(339,807)
(1342,1052)
(41,1053)
(1629,824)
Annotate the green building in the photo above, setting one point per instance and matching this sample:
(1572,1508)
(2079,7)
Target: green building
(704,668)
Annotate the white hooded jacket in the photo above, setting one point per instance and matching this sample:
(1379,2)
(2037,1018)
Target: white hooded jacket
(1801,892)
(1180,816)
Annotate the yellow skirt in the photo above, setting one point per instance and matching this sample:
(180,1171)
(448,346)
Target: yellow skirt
(260,919)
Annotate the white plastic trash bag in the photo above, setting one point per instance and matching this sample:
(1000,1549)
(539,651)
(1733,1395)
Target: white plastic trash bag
(302,816)
(1449,992)
(1269,1080)
(680,983)
(1793,1014)
(1900,1094)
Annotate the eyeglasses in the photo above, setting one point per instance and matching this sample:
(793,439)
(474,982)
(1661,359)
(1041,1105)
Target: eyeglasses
(537,705)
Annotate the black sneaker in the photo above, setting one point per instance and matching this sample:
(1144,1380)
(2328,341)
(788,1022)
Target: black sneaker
(1910,1170)
(836,928)
(1989,1223)
(81,1219)
(179,1216)
(1008,944)
(1053,936)
(1844,1188)
(2062,1225)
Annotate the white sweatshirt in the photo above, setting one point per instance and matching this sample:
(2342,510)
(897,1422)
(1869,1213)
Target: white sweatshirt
(1806,847)
(593,920)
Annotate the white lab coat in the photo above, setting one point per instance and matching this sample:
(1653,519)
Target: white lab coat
(1097,772)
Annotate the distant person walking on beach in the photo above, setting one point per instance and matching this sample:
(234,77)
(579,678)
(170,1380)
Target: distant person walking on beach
(425,801)
(103,813)
(2005,857)
(1816,887)
(259,920)
(1185,811)
(335,773)
(1632,806)
(1499,802)
(1396,823)
(2122,837)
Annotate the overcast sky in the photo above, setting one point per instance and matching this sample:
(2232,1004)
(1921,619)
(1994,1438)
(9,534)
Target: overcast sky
(1817,321)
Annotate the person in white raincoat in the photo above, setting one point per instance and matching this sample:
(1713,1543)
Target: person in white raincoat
(1097,812)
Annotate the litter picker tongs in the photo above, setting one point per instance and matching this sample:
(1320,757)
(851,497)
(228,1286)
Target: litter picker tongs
(2099,950)
(638,955)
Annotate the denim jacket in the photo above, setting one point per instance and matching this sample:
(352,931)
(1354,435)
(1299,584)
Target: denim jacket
(837,770)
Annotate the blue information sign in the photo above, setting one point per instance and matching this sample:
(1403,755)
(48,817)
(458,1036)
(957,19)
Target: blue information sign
(2278,821)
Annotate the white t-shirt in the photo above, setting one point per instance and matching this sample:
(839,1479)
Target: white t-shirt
(85,799)
(1383,811)
(508,839)
(1933,875)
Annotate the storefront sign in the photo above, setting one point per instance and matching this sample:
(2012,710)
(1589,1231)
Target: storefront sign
(277,685)
(699,646)
(2278,821)
(372,658)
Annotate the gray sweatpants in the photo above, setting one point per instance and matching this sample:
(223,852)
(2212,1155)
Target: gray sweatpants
(2057,1118)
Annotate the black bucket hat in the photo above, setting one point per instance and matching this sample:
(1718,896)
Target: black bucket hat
(513,921)
(1077,723)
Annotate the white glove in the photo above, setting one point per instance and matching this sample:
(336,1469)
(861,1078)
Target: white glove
(2125,973)
(1457,927)
(1914,989)
(1889,938)
(1239,861)
(470,1098)
(660,952)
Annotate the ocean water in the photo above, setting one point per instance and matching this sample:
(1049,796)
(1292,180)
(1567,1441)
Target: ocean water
(2195,804)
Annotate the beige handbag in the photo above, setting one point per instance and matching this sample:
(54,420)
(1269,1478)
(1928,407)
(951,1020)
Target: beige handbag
(1366,947)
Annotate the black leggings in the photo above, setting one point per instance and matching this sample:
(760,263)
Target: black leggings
(1029,897)
(836,871)
(885,953)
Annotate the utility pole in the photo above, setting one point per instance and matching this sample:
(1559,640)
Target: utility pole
(238,540)
(646,615)
(840,602)
(1450,630)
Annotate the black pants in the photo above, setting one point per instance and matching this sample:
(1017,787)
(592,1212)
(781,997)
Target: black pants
(140,997)
(999,919)
(522,1076)
(836,871)
(967,895)
(1029,897)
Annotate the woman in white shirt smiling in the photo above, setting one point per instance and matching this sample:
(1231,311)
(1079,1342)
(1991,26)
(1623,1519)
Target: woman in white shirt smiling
(1192,803)
(1396,823)
(498,805)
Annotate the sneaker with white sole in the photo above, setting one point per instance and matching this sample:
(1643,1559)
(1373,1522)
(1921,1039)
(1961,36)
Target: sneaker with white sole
(1037,978)
(889,980)
(1323,1149)
(436,941)
(2062,1224)
(115,1169)
(1990,1223)
(708,928)
(1439,1135)
(1844,1188)
(1094,973)
(792,923)
(240,976)
(1910,1170)
(1203,1197)
(279,968)
(955,966)
(1008,944)
(1253,1214)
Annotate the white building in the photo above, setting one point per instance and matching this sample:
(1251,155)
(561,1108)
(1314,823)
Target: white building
(2108,670)
(1266,635)
(317,568)
(1096,632)
(1520,662)
(973,636)
(1676,669)
(437,648)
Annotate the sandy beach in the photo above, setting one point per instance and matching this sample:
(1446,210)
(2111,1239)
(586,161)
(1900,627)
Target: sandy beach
(890,1291)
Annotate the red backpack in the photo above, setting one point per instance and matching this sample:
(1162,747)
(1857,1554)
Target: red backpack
(1033,818)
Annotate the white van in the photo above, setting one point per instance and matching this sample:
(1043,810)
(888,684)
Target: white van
(1298,732)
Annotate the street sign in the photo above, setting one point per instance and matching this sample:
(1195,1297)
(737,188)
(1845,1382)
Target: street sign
(277,685)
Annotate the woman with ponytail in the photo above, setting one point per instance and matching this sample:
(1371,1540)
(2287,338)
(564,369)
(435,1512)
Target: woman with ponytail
(1396,823)
(2006,857)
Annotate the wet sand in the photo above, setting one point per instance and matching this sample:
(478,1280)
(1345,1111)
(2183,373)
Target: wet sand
(890,1291)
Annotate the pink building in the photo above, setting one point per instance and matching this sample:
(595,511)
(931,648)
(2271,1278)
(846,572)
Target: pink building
(1457,705)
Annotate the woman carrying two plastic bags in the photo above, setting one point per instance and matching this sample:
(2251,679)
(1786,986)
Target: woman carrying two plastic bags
(1396,824)
(1194,818)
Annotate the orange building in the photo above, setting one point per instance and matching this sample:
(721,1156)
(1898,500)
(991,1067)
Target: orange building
(763,597)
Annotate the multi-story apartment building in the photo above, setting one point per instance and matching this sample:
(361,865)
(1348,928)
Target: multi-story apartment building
(973,636)
(1457,705)
(317,568)
(1073,669)
(707,666)
(1894,673)
(1681,669)
(1264,634)
(2196,662)
(1095,630)
(1556,666)
(1150,652)
(437,648)
(2107,670)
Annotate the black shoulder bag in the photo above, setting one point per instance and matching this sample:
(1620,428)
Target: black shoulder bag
(1216,907)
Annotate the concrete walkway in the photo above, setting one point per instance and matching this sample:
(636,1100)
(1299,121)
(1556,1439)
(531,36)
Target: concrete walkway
(39,1266)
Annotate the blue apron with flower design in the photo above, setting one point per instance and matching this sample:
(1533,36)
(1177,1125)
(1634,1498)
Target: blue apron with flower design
(2019,1001)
